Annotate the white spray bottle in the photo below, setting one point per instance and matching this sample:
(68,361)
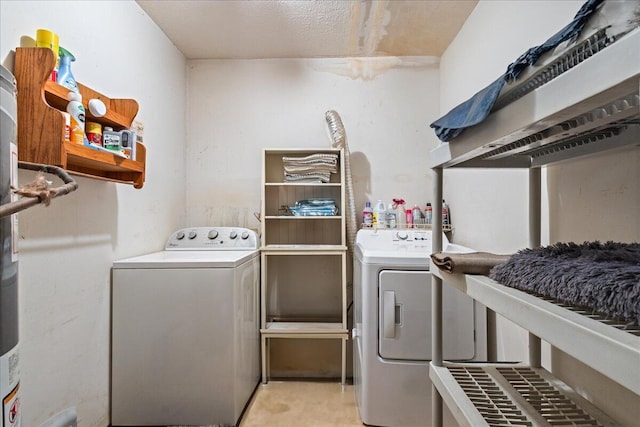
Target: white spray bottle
(77,113)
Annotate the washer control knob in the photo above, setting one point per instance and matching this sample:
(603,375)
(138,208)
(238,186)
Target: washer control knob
(244,235)
(212,234)
(192,235)
(402,235)
(233,235)
(180,235)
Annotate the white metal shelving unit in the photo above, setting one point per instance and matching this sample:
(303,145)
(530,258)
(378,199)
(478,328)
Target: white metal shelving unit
(315,247)
(599,110)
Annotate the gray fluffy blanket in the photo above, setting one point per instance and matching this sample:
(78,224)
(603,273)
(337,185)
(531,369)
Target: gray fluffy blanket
(604,277)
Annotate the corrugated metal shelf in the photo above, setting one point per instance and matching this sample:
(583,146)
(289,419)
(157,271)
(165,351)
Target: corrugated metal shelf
(607,349)
(587,107)
(512,395)
(596,97)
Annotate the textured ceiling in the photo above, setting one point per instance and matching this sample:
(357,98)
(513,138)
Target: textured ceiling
(256,29)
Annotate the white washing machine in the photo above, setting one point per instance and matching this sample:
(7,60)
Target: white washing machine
(185,330)
(392,326)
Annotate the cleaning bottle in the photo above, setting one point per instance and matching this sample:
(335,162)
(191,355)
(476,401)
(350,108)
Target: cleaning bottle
(391,216)
(445,214)
(380,215)
(367,215)
(77,113)
(409,216)
(428,214)
(401,216)
(65,77)
(417,215)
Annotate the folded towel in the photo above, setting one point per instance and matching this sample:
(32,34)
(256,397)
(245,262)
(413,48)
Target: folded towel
(308,177)
(311,168)
(468,263)
(311,159)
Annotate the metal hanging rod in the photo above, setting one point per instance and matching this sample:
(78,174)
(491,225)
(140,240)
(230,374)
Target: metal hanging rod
(19,205)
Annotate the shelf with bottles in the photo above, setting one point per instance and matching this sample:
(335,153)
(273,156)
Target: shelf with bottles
(396,215)
(415,226)
(41,124)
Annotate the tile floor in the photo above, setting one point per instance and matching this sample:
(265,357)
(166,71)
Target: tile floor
(302,404)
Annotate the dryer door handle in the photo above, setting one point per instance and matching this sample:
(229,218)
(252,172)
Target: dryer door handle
(389,314)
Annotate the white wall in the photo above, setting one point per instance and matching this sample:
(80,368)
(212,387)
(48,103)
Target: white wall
(588,199)
(66,250)
(237,108)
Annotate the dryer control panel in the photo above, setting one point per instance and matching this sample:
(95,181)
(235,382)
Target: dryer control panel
(213,238)
(388,245)
(411,235)
(385,239)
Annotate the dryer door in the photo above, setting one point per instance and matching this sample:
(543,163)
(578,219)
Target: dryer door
(404,318)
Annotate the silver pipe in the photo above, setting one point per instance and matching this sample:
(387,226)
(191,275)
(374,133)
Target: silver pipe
(436,297)
(339,138)
(535,227)
(492,336)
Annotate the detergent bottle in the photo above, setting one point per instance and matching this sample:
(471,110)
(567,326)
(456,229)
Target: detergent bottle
(367,215)
(380,215)
(392,218)
(77,113)
(428,213)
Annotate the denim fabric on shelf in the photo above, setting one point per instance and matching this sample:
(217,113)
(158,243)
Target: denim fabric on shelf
(477,108)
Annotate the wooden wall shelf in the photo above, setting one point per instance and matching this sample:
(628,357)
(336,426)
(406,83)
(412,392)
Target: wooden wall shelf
(41,124)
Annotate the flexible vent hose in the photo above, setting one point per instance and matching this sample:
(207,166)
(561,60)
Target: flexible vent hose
(339,138)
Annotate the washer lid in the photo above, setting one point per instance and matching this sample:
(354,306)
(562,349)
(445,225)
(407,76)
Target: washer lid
(188,259)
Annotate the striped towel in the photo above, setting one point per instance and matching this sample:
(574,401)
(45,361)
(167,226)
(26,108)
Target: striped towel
(312,168)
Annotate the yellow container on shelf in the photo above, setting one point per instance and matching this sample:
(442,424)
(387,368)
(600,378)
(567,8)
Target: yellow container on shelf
(46,38)
(94,133)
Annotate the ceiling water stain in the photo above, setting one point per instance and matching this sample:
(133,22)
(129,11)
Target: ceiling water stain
(358,68)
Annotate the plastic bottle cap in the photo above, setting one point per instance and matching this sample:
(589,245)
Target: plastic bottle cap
(97,108)
(73,96)
(108,129)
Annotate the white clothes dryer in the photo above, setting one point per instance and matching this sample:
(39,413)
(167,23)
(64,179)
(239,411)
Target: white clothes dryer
(185,330)
(392,326)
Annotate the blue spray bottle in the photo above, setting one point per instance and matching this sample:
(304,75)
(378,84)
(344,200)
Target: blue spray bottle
(65,77)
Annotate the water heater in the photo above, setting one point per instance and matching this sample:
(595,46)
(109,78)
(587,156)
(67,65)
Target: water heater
(9,354)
